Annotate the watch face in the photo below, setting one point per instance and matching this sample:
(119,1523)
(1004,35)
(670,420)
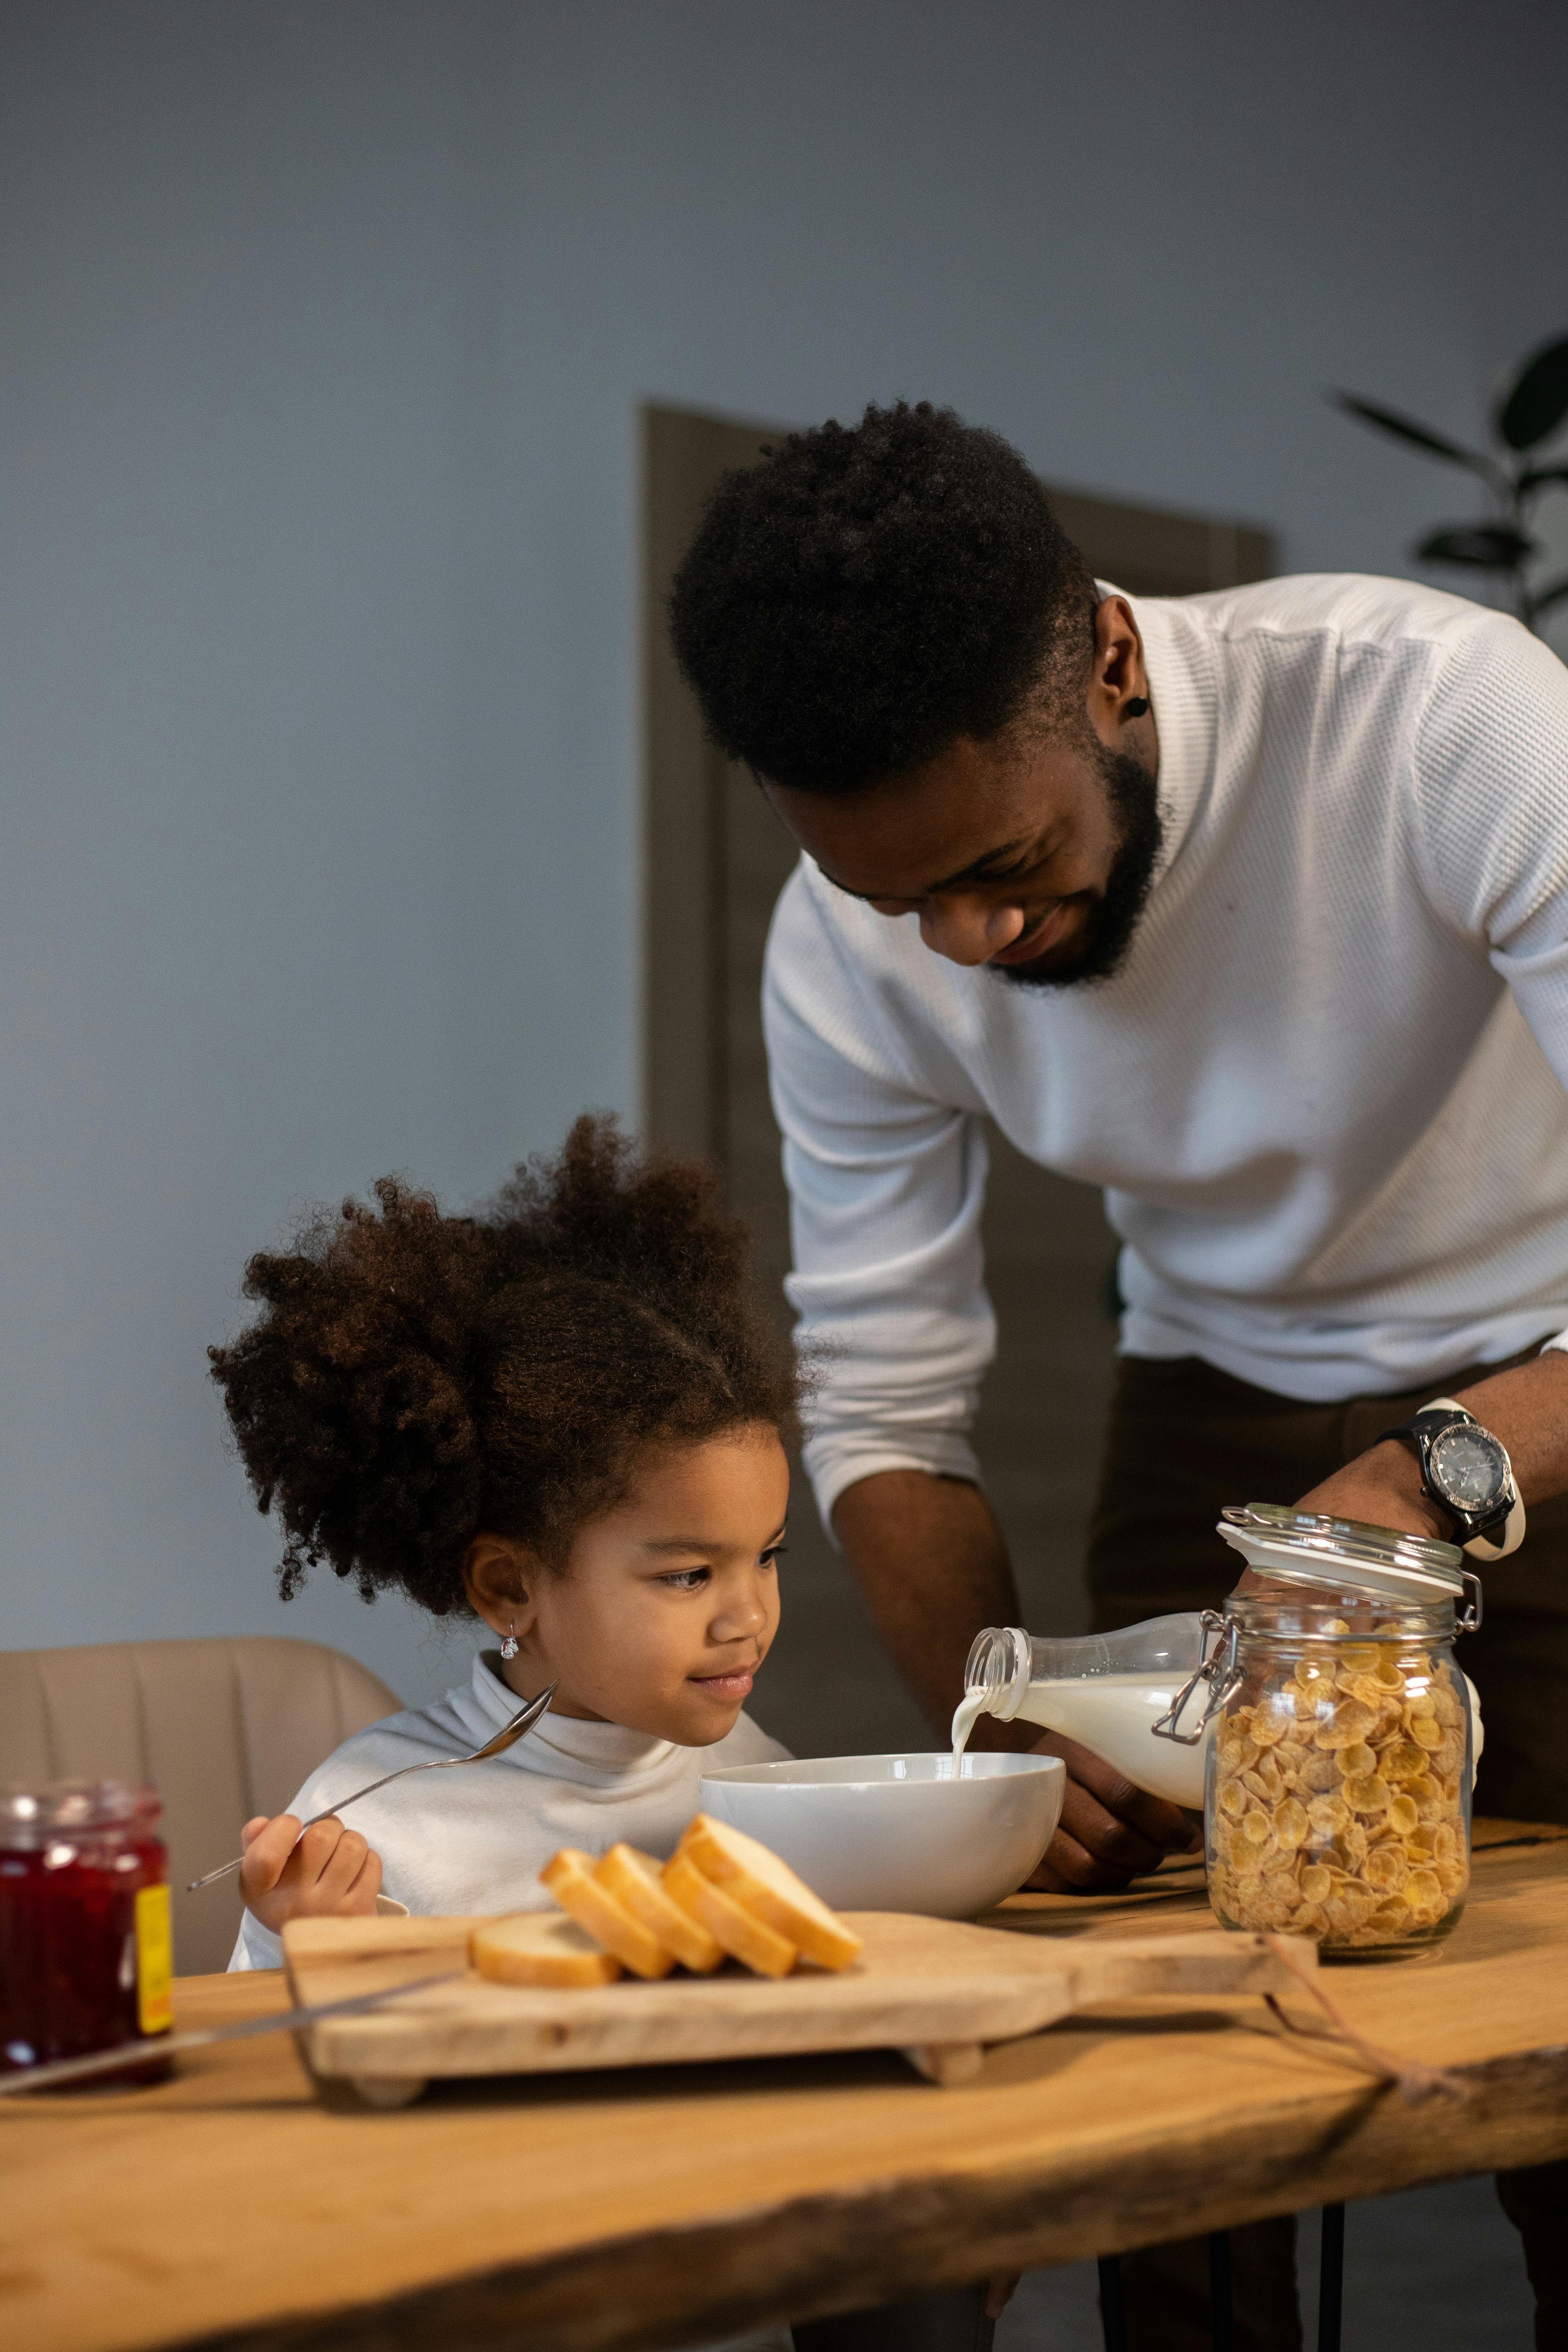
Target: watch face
(1468,1468)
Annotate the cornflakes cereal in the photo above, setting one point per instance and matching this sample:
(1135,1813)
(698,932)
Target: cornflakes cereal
(1337,1810)
(1348,1724)
(1327,1816)
(1387,1868)
(1291,1824)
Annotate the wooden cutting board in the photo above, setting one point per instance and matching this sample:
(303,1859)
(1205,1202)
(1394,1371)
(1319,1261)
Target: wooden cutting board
(937,1989)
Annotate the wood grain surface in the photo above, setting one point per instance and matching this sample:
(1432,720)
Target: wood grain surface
(918,1984)
(650,2209)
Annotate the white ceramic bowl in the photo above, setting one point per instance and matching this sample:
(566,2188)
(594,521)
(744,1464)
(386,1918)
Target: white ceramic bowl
(898,1832)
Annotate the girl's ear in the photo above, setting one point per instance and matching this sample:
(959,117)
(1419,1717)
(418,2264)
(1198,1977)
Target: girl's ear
(501,1582)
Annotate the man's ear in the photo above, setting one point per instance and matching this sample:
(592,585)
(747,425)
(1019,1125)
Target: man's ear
(501,1578)
(1118,675)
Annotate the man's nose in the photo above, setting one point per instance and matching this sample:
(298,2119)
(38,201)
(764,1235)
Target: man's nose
(970,930)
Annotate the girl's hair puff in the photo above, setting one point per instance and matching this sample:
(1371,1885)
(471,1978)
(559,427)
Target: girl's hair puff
(415,1378)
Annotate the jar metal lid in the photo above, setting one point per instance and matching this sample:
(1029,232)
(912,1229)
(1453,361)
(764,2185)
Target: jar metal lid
(1349,1556)
(32,1811)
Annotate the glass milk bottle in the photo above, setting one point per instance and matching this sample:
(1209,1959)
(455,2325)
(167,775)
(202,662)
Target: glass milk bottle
(1342,1736)
(1108,1690)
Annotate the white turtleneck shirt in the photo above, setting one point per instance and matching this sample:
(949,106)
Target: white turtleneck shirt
(1325,1093)
(475,1841)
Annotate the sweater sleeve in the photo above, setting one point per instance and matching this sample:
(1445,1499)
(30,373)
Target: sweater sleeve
(256,1947)
(1492,792)
(886,1186)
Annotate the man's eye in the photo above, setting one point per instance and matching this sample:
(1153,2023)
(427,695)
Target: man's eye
(686,1580)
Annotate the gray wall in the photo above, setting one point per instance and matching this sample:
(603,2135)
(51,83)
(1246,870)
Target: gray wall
(324,325)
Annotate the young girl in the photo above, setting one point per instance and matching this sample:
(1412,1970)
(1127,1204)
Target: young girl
(564,1416)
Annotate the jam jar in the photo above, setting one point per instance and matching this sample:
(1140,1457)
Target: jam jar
(1344,1736)
(85,1951)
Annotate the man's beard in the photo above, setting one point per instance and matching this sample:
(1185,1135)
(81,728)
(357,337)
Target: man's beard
(1111,917)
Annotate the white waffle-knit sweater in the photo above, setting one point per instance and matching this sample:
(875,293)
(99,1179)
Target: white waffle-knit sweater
(1325,1095)
(475,1840)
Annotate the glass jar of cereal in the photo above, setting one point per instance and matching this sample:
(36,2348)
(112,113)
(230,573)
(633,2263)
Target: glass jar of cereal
(1338,1789)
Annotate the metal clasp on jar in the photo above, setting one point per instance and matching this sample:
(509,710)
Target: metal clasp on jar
(1218,1670)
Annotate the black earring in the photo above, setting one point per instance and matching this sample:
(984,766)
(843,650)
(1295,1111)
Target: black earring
(1135,706)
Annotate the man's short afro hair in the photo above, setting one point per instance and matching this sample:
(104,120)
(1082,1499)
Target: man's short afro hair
(866,594)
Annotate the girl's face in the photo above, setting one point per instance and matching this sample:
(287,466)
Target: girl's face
(668,1603)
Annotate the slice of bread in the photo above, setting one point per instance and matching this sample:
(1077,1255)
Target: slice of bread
(742,1933)
(753,1876)
(633,1878)
(569,1875)
(540,1947)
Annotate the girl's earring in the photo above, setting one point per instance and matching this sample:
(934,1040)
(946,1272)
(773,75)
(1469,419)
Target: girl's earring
(509,1646)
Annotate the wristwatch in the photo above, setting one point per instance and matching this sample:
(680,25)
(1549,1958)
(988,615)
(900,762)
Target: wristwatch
(1466,1472)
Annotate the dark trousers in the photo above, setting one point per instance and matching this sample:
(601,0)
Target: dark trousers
(1185,1439)
(929,2323)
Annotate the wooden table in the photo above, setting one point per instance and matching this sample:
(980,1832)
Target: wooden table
(228,2208)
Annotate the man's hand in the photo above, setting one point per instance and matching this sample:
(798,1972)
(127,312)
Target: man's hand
(932,1563)
(1384,1487)
(327,1873)
(1525,1410)
(1110,1832)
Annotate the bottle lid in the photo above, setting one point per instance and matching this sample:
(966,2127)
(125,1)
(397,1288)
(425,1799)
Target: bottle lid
(32,1813)
(1352,1556)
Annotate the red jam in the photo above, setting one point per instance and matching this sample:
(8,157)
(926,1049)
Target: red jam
(84,1920)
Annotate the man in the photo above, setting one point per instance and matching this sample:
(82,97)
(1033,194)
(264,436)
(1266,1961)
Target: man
(1251,908)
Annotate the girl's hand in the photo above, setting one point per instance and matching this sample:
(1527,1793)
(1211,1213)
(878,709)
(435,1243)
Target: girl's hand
(327,1873)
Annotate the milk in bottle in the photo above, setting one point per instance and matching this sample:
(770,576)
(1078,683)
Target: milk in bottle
(1108,1690)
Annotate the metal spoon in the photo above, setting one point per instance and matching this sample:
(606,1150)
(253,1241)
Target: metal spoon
(523,1720)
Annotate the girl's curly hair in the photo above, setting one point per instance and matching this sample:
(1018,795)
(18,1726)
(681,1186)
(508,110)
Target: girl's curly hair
(415,1378)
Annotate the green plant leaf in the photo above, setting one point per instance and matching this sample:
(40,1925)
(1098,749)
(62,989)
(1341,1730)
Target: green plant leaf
(1406,428)
(1552,593)
(1538,400)
(1486,546)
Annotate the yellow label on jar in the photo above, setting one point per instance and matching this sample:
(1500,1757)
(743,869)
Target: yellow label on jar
(154,1961)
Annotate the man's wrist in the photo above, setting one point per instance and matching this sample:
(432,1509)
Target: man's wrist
(1384,1488)
(1397,1468)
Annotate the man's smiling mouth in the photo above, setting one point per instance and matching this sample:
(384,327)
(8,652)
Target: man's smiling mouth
(1043,936)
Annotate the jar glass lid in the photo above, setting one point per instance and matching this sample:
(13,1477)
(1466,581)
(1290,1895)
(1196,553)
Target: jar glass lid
(1351,1555)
